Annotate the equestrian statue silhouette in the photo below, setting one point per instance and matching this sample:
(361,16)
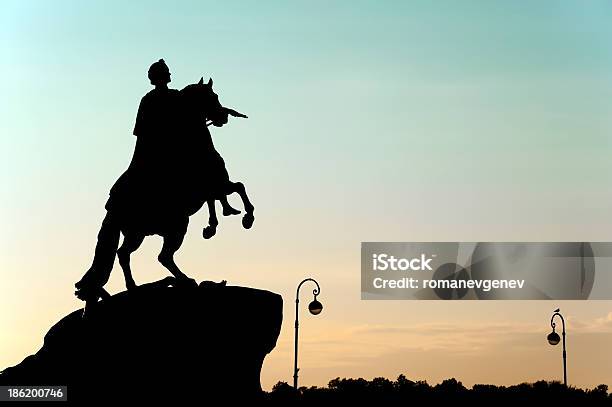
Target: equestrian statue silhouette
(175,169)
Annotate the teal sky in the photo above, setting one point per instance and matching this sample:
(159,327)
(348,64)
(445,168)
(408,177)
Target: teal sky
(368,120)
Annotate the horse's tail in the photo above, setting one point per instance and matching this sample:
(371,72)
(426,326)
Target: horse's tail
(104,258)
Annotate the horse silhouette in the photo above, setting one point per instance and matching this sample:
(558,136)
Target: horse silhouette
(193,173)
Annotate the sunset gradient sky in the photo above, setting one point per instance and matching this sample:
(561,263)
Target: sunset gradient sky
(368,121)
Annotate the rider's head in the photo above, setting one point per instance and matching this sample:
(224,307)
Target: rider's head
(159,74)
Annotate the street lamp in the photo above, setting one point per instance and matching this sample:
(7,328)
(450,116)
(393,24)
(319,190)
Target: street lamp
(554,339)
(315,308)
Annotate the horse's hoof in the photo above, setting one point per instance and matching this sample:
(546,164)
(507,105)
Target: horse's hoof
(103,294)
(247,220)
(85,294)
(81,295)
(209,232)
(92,295)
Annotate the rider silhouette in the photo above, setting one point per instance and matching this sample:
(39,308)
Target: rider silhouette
(156,119)
(152,174)
(159,128)
(147,181)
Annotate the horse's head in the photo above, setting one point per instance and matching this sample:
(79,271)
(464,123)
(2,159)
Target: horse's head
(201,97)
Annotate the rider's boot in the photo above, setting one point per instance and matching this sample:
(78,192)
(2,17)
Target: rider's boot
(228,210)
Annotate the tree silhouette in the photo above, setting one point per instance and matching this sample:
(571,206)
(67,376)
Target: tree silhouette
(402,391)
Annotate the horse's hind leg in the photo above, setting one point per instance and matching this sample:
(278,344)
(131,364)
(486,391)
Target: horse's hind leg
(172,242)
(104,257)
(131,243)
(248,218)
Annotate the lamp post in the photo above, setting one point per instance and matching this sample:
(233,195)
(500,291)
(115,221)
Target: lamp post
(554,339)
(315,308)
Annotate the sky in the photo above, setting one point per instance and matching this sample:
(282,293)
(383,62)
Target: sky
(368,121)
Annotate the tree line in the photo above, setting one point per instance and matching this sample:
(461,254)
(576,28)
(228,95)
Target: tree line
(383,391)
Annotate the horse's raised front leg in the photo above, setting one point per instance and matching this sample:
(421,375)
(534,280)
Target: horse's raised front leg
(210,230)
(248,218)
(131,243)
